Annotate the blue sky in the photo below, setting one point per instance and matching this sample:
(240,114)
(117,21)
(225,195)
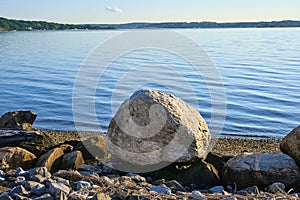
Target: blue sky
(122,11)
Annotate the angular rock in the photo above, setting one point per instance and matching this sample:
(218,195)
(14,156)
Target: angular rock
(33,141)
(18,120)
(78,195)
(39,171)
(252,190)
(28,185)
(5,196)
(175,186)
(200,173)
(39,189)
(18,190)
(44,197)
(100,196)
(82,185)
(93,148)
(276,188)
(13,157)
(57,188)
(161,189)
(153,127)
(290,145)
(260,169)
(197,195)
(216,190)
(72,160)
(51,160)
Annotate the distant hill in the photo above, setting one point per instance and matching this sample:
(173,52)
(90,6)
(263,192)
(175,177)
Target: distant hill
(21,25)
(273,24)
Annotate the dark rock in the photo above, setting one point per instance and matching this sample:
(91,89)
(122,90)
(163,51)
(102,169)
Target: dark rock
(33,141)
(5,196)
(175,186)
(56,189)
(21,172)
(261,170)
(51,160)
(28,185)
(216,190)
(72,160)
(200,173)
(218,162)
(276,188)
(82,185)
(253,190)
(61,196)
(13,157)
(38,178)
(93,148)
(135,177)
(18,190)
(39,189)
(290,145)
(39,171)
(20,197)
(18,120)
(44,197)
(67,148)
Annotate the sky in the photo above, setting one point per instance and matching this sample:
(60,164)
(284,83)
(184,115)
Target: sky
(124,11)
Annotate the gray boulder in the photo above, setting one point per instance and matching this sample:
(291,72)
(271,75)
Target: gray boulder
(72,160)
(18,120)
(290,144)
(260,169)
(153,127)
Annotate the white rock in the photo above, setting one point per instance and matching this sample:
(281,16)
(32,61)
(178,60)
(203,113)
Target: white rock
(82,185)
(161,189)
(197,195)
(56,188)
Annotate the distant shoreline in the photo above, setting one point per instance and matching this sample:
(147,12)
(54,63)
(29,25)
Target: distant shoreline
(22,25)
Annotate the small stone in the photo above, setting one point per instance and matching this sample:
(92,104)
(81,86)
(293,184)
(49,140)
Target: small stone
(229,198)
(82,185)
(100,196)
(38,178)
(78,195)
(39,170)
(57,188)
(136,177)
(162,189)
(61,196)
(20,197)
(159,182)
(18,190)
(28,185)
(21,172)
(107,180)
(175,186)
(39,189)
(44,197)
(5,196)
(216,190)
(253,190)
(20,179)
(61,180)
(197,195)
(276,188)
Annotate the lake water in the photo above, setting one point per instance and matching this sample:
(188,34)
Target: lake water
(260,69)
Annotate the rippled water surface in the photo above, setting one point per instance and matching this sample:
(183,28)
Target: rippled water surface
(260,69)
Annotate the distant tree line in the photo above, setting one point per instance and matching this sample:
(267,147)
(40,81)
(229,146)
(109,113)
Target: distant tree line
(273,24)
(21,25)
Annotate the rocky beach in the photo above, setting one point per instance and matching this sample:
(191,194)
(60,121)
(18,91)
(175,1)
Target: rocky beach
(40,164)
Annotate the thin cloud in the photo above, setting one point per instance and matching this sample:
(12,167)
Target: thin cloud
(115,9)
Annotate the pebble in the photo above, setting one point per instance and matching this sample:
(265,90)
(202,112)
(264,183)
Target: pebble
(56,188)
(78,195)
(161,189)
(39,171)
(197,195)
(82,185)
(229,198)
(216,190)
(39,189)
(44,197)
(21,172)
(276,188)
(20,179)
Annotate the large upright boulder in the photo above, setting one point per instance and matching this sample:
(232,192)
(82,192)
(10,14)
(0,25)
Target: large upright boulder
(18,120)
(261,170)
(152,127)
(290,145)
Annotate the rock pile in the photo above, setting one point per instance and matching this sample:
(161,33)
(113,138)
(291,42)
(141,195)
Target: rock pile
(32,166)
